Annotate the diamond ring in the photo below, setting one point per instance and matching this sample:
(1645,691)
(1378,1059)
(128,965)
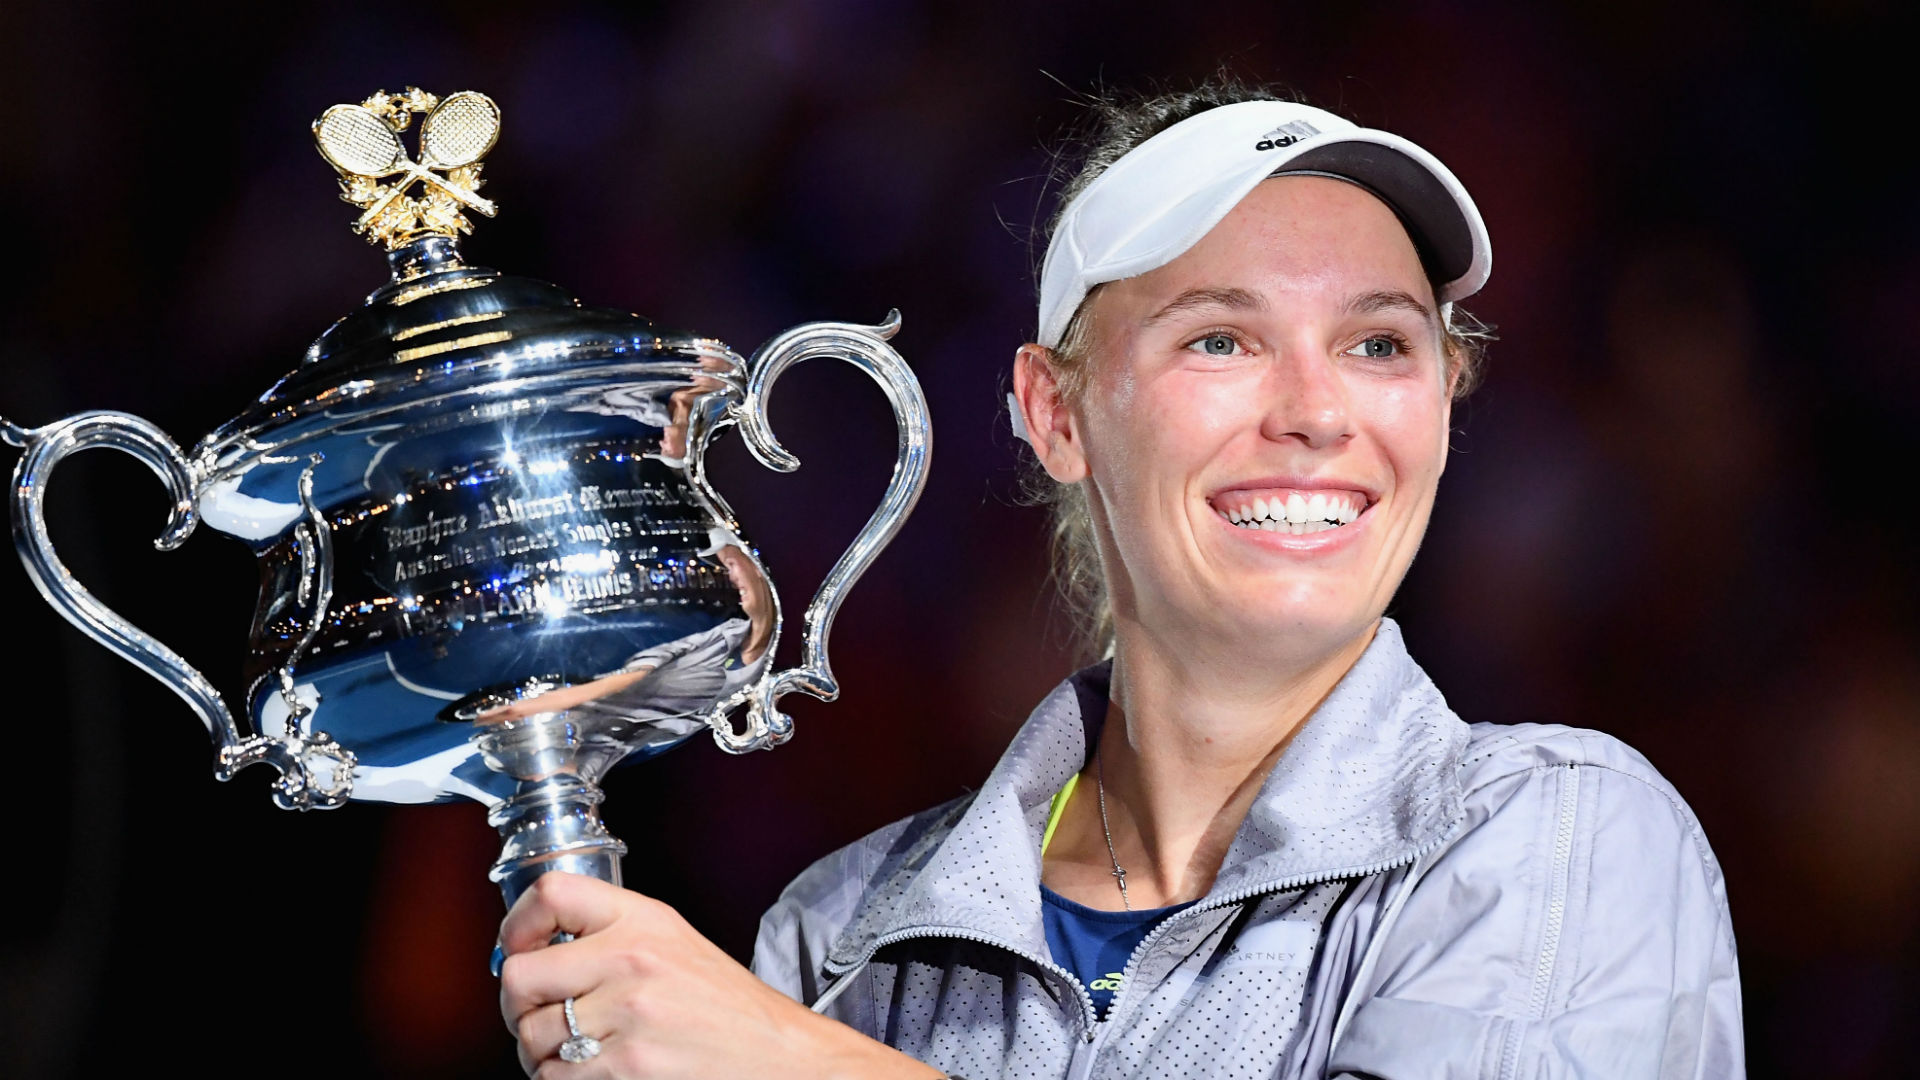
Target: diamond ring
(580,1047)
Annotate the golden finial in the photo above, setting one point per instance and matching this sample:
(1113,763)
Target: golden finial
(363,142)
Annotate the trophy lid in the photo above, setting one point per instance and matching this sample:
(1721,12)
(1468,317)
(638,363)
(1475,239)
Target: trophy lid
(439,330)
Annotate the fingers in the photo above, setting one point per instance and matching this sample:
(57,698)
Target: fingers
(550,975)
(558,902)
(598,1068)
(543,1030)
(627,952)
(618,934)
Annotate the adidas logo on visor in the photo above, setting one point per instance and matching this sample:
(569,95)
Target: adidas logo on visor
(1286,135)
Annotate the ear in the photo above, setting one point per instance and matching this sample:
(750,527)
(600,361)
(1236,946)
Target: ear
(1051,427)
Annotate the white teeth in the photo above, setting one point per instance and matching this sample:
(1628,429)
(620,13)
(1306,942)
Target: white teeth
(1296,514)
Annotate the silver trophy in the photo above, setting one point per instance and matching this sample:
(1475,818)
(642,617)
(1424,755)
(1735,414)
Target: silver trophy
(492,565)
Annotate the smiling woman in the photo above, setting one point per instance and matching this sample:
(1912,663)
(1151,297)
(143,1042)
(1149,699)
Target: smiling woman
(1293,356)
(1253,841)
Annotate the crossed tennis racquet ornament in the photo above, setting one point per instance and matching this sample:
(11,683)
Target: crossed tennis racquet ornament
(363,142)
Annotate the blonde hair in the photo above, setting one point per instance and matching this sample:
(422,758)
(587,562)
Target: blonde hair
(1116,125)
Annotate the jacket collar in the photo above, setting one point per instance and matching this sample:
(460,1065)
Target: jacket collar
(1370,782)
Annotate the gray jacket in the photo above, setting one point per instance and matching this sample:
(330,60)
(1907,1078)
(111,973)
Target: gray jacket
(1410,896)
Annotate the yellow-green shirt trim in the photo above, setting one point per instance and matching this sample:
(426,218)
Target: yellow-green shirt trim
(1053,813)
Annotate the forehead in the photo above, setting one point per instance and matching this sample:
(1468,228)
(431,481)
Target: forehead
(1304,238)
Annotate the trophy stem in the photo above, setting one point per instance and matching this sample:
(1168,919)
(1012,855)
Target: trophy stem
(552,822)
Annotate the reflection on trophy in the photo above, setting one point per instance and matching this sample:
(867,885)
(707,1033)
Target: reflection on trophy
(492,565)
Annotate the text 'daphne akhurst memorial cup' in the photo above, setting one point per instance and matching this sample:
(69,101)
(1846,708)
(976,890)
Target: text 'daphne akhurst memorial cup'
(492,565)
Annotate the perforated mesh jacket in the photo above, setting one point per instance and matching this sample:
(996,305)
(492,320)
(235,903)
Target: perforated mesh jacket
(1410,896)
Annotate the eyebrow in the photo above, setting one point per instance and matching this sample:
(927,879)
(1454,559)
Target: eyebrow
(1372,303)
(1207,297)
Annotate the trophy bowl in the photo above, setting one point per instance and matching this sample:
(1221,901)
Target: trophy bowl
(491,562)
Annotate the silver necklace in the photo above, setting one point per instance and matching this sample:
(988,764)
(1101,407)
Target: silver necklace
(1100,786)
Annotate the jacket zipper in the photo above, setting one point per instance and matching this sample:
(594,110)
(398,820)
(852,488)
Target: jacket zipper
(1087,1053)
(1556,915)
(1249,892)
(1044,963)
(1092,1027)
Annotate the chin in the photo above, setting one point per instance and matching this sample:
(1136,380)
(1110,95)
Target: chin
(1311,615)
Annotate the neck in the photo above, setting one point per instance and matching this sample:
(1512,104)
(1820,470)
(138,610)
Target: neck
(1187,743)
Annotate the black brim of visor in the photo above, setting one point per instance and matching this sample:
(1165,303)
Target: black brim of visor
(1432,218)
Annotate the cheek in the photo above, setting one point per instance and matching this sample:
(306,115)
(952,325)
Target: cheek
(1410,422)
(1151,438)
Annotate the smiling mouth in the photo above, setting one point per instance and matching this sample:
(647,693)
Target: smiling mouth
(1295,513)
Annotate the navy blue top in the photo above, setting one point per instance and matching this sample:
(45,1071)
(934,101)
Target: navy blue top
(1095,945)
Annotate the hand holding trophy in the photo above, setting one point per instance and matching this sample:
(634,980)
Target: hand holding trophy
(492,563)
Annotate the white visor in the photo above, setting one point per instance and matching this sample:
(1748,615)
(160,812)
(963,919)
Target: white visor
(1162,196)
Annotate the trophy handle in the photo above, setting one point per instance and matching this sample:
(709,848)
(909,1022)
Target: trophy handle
(866,348)
(314,771)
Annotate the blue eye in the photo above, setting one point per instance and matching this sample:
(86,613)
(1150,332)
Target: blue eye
(1375,348)
(1216,345)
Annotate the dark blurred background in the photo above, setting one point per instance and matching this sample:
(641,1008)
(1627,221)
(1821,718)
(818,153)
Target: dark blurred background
(1674,513)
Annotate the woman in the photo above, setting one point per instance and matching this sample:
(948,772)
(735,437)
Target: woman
(1256,842)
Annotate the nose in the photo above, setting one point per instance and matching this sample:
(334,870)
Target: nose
(1306,400)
